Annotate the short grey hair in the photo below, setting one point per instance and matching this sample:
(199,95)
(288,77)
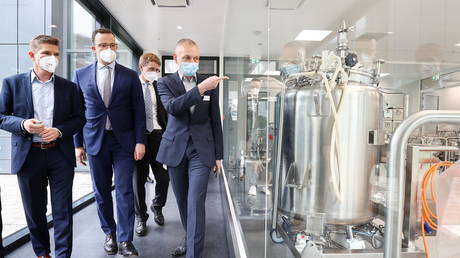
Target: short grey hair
(183,42)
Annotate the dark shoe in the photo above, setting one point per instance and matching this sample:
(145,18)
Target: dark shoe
(158,215)
(127,249)
(141,228)
(149,180)
(110,245)
(43,256)
(181,249)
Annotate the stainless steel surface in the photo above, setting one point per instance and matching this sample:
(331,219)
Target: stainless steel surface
(419,159)
(276,183)
(396,174)
(305,170)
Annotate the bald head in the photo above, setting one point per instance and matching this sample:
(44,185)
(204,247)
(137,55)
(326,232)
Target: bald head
(185,43)
(186,51)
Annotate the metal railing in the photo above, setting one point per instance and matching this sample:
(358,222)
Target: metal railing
(397,175)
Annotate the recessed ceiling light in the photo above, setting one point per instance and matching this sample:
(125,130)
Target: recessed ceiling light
(313,35)
(457,45)
(179,27)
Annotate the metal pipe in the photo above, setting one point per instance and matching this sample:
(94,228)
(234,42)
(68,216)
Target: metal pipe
(396,174)
(277,170)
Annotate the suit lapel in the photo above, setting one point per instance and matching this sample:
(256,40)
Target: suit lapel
(93,80)
(116,79)
(58,94)
(180,88)
(27,84)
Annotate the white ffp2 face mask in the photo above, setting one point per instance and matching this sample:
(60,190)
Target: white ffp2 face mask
(48,63)
(151,76)
(108,55)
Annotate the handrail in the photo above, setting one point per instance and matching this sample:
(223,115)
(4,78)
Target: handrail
(396,173)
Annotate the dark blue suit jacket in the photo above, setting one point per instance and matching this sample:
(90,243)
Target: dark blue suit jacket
(16,105)
(204,126)
(126,110)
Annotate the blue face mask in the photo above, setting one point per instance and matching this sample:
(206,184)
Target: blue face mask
(288,69)
(188,69)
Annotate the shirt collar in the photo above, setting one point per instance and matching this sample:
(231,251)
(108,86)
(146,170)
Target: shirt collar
(101,65)
(34,77)
(181,76)
(144,82)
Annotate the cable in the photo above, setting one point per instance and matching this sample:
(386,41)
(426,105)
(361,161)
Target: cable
(428,216)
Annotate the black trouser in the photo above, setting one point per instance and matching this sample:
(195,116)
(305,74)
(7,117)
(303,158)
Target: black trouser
(142,172)
(1,228)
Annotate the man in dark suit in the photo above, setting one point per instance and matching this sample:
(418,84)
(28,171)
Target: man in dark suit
(149,65)
(43,111)
(113,137)
(192,144)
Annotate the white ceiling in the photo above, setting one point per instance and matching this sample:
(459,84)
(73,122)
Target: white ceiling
(415,37)
(155,29)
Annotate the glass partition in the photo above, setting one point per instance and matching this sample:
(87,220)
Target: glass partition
(316,92)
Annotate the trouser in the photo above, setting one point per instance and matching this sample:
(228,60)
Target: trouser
(43,167)
(141,173)
(190,184)
(111,160)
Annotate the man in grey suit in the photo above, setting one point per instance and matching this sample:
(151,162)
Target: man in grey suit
(192,144)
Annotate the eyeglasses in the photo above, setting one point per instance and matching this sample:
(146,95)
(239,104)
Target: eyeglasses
(105,45)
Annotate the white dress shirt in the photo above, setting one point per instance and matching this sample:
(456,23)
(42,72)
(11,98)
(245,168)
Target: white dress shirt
(43,101)
(102,73)
(151,121)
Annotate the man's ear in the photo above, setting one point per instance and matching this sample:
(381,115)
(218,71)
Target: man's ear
(31,55)
(175,58)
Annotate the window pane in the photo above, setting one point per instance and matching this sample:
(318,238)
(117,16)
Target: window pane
(31,19)
(8,66)
(8,30)
(125,55)
(25,64)
(77,60)
(81,28)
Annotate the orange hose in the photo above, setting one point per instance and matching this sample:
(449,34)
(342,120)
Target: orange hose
(428,216)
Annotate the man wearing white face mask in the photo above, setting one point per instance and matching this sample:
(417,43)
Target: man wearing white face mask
(43,111)
(113,137)
(149,65)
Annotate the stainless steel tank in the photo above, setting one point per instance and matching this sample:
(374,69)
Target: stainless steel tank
(308,185)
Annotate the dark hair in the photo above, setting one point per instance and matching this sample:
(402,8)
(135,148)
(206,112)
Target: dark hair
(42,39)
(101,31)
(146,58)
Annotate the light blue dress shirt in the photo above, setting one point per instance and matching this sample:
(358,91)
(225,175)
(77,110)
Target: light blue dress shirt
(43,101)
